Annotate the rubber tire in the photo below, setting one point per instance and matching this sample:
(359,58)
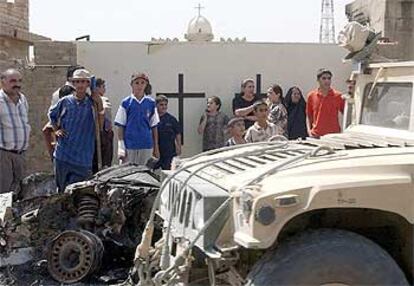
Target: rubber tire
(326,256)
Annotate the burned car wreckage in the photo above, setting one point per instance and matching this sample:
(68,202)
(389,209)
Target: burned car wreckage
(95,221)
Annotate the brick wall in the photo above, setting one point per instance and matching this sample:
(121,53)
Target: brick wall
(48,74)
(15,14)
(12,52)
(14,24)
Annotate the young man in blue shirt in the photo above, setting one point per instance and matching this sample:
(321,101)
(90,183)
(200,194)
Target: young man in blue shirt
(63,91)
(169,133)
(137,119)
(73,120)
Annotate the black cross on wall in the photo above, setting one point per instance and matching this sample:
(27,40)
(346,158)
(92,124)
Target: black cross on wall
(258,87)
(181,95)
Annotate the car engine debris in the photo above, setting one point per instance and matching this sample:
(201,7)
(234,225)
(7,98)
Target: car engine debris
(93,223)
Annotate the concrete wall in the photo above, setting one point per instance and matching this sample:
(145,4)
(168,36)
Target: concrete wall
(214,68)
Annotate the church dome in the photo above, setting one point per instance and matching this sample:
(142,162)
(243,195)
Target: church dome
(199,29)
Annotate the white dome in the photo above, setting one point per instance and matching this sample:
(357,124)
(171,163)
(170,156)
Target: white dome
(199,29)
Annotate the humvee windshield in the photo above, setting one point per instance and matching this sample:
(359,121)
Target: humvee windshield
(387,105)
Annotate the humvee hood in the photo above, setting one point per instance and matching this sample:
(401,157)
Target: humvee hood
(301,164)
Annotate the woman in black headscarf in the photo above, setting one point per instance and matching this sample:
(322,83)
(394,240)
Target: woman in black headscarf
(296,108)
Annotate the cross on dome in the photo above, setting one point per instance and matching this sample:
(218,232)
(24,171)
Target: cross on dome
(199,7)
(199,29)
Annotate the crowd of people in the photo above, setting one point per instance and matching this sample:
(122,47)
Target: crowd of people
(79,135)
(257,119)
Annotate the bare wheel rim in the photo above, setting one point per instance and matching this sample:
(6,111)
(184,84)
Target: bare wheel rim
(72,257)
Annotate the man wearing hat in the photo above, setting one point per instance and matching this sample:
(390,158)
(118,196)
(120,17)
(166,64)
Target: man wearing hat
(73,120)
(137,119)
(323,107)
(63,91)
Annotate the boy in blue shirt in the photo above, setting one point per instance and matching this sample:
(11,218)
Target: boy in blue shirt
(169,132)
(137,121)
(73,121)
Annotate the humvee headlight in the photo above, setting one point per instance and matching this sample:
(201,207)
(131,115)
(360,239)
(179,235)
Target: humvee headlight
(265,215)
(287,201)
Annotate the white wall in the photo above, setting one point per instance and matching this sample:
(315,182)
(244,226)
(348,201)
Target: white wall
(214,68)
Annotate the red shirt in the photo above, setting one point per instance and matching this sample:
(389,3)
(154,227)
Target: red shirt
(323,112)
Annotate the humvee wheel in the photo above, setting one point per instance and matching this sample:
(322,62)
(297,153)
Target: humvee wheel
(326,257)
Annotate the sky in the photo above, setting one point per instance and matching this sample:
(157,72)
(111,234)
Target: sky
(137,20)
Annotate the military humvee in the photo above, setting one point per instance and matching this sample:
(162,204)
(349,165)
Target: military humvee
(334,210)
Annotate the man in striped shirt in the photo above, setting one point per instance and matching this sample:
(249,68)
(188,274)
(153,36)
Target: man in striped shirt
(73,120)
(14,131)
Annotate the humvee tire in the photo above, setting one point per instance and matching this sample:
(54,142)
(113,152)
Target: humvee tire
(326,256)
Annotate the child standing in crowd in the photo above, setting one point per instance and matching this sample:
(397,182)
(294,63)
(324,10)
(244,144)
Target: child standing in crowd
(137,120)
(277,112)
(296,107)
(236,129)
(169,133)
(212,125)
(262,129)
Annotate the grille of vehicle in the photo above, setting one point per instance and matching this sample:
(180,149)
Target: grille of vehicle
(239,164)
(193,206)
(182,209)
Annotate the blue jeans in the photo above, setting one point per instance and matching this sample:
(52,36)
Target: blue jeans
(66,174)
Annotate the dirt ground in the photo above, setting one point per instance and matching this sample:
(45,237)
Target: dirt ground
(36,274)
